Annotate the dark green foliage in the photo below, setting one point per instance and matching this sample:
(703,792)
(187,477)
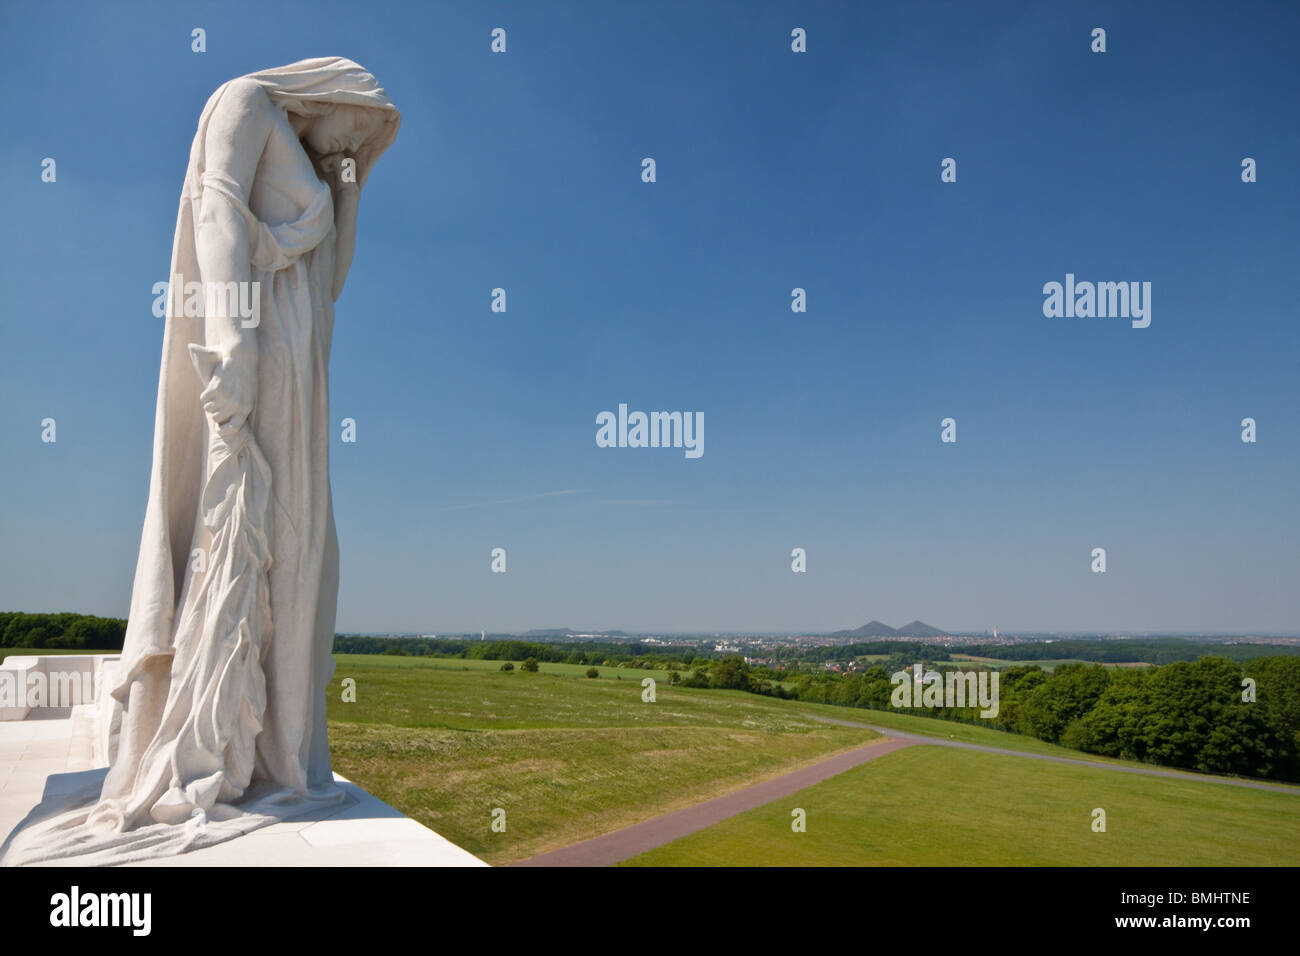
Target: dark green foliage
(1278,697)
(66,631)
(587,652)
(1071,691)
(1162,650)
(1184,714)
(730,673)
(1192,715)
(904,652)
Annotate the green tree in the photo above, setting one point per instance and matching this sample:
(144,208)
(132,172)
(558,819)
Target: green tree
(1277,695)
(730,673)
(1068,693)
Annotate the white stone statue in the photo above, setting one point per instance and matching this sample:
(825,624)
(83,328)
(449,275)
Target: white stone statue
(219,701)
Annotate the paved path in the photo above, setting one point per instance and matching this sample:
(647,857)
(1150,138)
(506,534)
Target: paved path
(626,843)
(1095,764)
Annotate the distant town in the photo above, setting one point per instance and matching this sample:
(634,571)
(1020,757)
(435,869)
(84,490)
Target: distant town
(917,631)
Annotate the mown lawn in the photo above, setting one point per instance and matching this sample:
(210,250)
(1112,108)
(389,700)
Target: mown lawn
(566,757)
(934,806)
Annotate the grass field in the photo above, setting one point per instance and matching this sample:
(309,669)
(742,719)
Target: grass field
(564,670)
(447,741)
(932,806)
(566,757)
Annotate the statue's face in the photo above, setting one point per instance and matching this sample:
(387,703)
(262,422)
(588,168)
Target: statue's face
(342,130)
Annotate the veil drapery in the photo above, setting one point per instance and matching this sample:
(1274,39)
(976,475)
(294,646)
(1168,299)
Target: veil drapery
(209,481)
(305,88)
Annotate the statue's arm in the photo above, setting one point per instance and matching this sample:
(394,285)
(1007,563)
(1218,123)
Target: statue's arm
(237,134)
(347,197)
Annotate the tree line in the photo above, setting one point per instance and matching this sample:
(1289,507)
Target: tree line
(1162,650)
(606,653)
(62,631)
(1214,714)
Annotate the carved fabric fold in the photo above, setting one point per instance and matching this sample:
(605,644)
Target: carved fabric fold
(218,688)
(275,247)
(219,699)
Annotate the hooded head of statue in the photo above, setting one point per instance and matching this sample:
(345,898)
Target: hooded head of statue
(334,105)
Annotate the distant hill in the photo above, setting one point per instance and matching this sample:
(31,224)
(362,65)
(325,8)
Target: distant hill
(920,629)
(872,629)
(877,629)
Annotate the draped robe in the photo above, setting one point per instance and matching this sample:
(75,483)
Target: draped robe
(219,699)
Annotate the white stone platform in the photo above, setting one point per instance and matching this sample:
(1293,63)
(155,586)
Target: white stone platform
(53,751)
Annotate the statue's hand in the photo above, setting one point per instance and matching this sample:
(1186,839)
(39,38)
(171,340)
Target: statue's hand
(331,169)
(229,384)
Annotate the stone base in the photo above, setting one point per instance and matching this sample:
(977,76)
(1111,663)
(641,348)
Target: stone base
(53,751)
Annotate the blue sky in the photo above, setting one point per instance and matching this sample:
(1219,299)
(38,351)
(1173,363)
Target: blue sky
(775,170)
